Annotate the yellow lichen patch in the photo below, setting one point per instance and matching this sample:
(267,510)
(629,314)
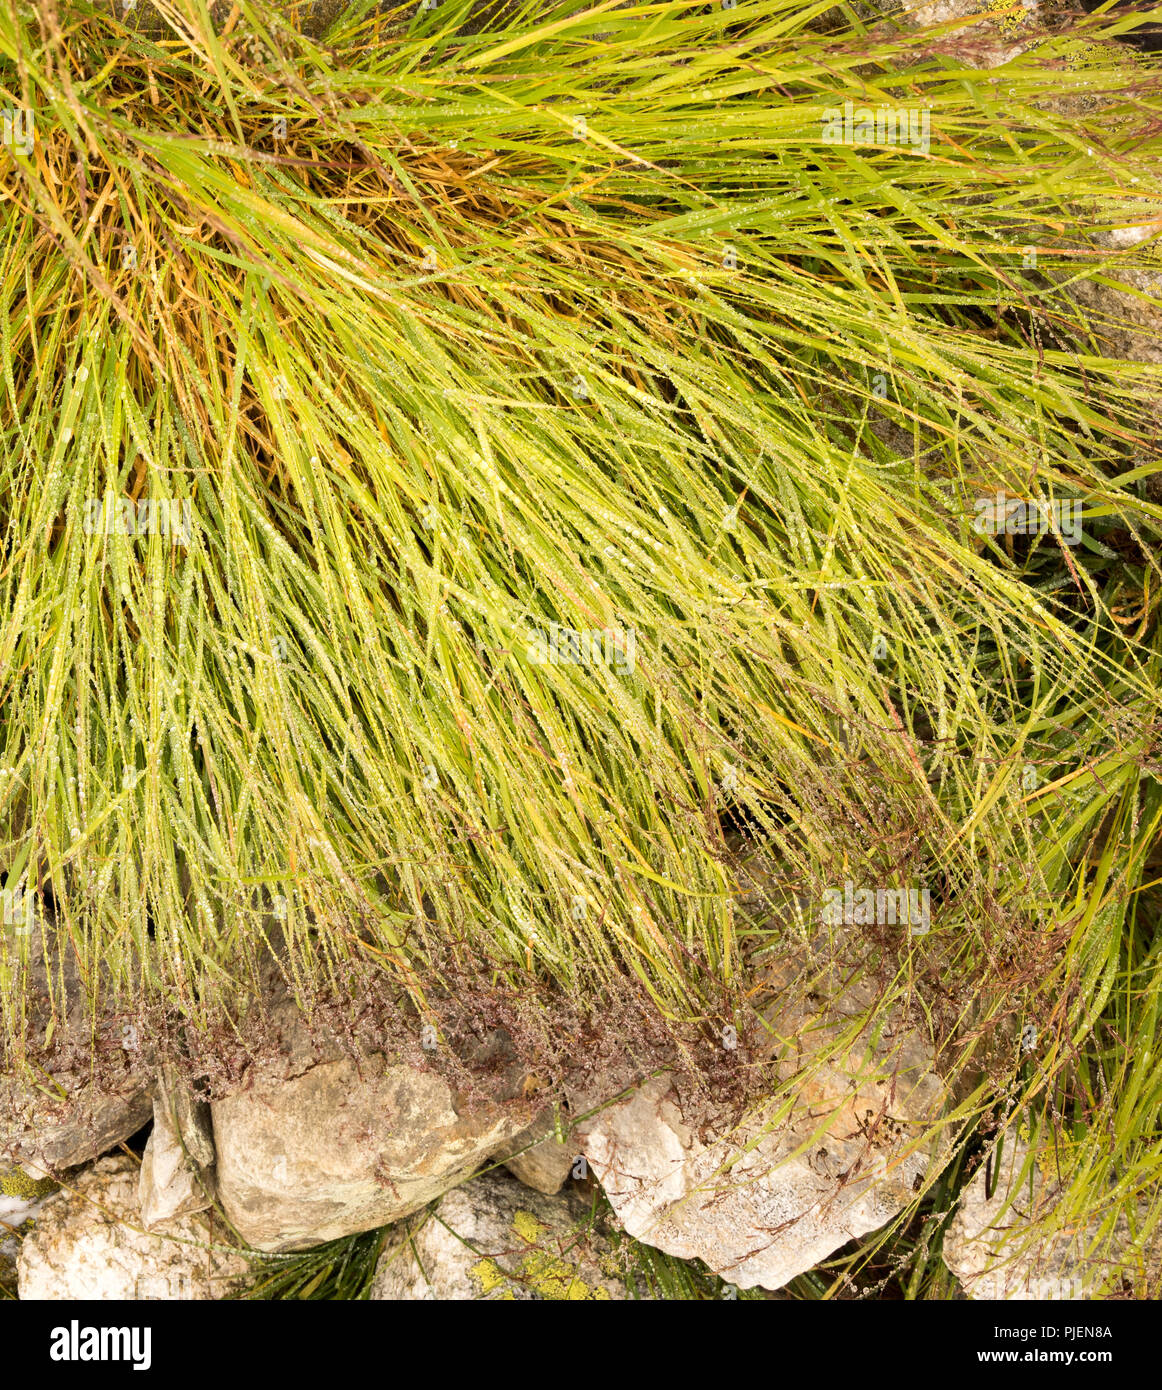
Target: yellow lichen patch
(1010,18)
(541,1271)
(489,1277)
(17,1183)
(554,1278)
(526,1225)
(1083,53)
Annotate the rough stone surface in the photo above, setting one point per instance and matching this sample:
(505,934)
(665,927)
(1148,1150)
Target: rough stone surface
(990,34)
(762,1198)
(945,11)
(340,1149)
(177,1167)
(1125,323)
(493,1238)
(57,1133)
(545,1166)
(87,1102)
(1122,306)
(87,1243)
(1005,1247)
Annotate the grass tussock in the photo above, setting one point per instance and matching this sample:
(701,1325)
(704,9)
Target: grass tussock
(346,381)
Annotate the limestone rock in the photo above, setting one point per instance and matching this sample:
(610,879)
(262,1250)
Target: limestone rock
(1007,1246)
(494,1239)
(1122,306)
(537,1159)
(71,1108)
(342,1149)
(764,1197)
(991,32)
(177,1176)
(57,1133)
(1125,322)
(87,1243)
(945,11)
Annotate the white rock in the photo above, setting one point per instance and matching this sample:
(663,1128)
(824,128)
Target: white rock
(88,1243)
(1123,237)
(990,36)
(177,1177)
(770,1196)
(493,1238)
(1007,1246)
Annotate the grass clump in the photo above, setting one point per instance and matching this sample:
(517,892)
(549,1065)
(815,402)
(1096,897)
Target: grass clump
(458,487)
